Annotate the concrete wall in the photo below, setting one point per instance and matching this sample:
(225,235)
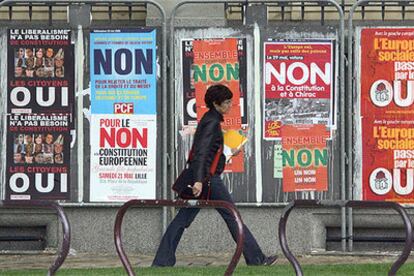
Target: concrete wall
(92,229)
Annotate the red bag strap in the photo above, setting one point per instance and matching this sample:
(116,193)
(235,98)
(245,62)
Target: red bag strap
(190,154)
(216,159)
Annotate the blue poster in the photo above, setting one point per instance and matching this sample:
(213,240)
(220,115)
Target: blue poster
(123,71)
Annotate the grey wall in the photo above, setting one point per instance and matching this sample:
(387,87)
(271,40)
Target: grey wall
(92,229)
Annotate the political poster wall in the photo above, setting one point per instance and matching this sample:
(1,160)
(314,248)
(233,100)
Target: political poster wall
(299,85)
(386,97)
(123,114)
(40,106)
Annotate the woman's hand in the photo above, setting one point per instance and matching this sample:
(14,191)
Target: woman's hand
(235,152)
(197,188)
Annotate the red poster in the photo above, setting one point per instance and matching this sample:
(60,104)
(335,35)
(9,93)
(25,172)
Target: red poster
(188,97)
(305,158)
(216,62)
(298,82)
(387,116)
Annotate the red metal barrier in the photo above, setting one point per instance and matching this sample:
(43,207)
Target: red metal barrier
(349,203)
(64,248)
(183,204)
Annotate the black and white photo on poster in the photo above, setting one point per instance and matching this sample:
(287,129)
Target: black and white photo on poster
(40,149)
(40,107)
(40,71)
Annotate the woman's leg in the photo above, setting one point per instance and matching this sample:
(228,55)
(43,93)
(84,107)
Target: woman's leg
(251,250)
(166,251)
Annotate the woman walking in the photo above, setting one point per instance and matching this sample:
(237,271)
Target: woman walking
(207,141)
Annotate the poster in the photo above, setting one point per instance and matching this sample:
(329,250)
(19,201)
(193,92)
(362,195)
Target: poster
(386,88)
(41,69)
(298,83)
(123,71)
(237,73)
(216,61)
(123,157)
(277,161)
(123,122)
(305,158)
(40,106)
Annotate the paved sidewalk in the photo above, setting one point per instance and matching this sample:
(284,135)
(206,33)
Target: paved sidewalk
(84,260)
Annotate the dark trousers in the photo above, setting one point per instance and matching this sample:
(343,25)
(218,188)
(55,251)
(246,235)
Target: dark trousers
(166,251)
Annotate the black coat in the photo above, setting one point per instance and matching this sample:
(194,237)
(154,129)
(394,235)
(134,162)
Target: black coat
(207,140)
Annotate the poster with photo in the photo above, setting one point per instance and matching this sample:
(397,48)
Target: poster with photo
(124,115)
(38,163)
(40,71)
(386,89)
(299,85)
(40,106)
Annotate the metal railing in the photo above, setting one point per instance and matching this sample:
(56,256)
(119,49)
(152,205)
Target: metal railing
(65,246)
(351,204)
(184,204)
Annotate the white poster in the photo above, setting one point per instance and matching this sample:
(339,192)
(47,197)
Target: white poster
(123,157)
(123,106)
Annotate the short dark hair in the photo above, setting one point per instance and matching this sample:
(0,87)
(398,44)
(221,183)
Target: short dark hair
(217,93)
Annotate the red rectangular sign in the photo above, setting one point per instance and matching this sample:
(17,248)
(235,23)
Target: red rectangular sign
(305,158)
(123,108)
(216,61)
(299,85)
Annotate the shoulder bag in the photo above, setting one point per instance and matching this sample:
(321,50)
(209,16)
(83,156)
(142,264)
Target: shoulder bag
(186,178)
